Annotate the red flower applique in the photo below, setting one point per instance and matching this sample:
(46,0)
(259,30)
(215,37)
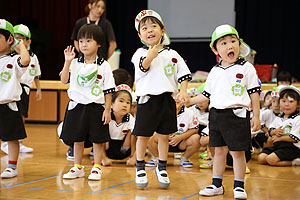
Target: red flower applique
(174,60)
(9,66)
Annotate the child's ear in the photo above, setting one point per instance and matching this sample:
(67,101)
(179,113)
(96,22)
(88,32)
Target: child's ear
(10,40)
(29,42)
(215,51)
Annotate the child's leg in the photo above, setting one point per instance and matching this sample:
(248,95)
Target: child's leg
(105,160)
(13,150)
(163,146)
(153,145)
(239,164)
(219,161)
(141,176)
(141,146)
(78,152)
(98,152)
(191,145)
(274,160)
(262,158)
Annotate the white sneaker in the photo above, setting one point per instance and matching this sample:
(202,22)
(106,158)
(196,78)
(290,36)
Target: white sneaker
(9,173)
(24,149)
(212,190)
(177,155)
(74,172)
(4,147)
(162,177)
(95,174)
(141,179)
(296,162)
(239,193)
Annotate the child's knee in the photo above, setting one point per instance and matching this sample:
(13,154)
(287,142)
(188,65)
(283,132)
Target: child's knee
(272,159)
(262,158)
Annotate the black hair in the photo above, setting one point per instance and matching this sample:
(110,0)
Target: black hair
(116,94)
(290,93)
(5,33)
(91,31)
(268,93)
(122,76)
(215,42)
(284,76)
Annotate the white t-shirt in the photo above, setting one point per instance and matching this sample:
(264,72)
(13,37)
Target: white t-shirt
(186,119)
(165,72)
(119,131)
(230,87)
(202,116)
(267,116)
(11,71)
(99,81)
(290,126)
(33,71)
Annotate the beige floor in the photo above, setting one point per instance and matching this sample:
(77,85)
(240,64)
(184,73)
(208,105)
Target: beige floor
(40,177)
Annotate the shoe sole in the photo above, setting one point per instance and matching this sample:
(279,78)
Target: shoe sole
(73,177)
(160,183)
(141,185)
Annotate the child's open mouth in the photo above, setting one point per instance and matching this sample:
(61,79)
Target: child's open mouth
(230,54)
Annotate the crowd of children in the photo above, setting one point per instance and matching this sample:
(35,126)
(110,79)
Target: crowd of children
(167,119)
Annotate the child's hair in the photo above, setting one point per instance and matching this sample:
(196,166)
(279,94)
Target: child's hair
(151,19)
(5,33)
(91,31)
(87,10)
(116,94)
(267,93)
(290,93)
(284,76)
(122,76)
(215,43)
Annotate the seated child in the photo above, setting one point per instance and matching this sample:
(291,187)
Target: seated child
(184,140)
(284,78)
(267,101)
(284,131)
(121,143)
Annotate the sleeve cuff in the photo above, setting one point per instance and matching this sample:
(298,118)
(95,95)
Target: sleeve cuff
(185,77)
(141,66)
(294,137)
(253,90)
(111,90)
(206,94)
(19,63)
(270,129)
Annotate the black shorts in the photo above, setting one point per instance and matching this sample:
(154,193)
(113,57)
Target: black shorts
(11,124)
(227,129)
(114,150)
(285,151)
(158,114)
(229,159)
(176,148)
(83,123)
(24,102)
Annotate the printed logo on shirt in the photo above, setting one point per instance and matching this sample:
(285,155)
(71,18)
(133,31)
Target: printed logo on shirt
(195,120)
(237,90)
(169,70)
(32,70)
(5,76)
(96,90)
(287,129)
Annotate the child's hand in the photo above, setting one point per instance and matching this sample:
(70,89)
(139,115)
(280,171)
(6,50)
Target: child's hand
(153,51)
(279,132)
(182,97)
(106,116)
(255,124)
(69,53)
(174,139)
(38,95)
(276,139)
(131,161)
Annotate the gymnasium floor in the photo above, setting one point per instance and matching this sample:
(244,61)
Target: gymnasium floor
(40,177)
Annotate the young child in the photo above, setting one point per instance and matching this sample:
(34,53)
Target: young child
(91,86)
(232,86)
(284,131)
(186,139)
(158,69)
(284,78)
(121,143)
(22,32)
(267,101)
(12,67)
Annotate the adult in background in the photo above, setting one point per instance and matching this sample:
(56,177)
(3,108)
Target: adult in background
(96,10)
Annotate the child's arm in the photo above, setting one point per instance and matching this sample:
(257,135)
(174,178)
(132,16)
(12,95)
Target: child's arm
(38,89)
(106,117)
(152,53)
(255,104)
(24,54)
(197,99)
(69,56)
(284,138)
(183,96)
(175,139)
